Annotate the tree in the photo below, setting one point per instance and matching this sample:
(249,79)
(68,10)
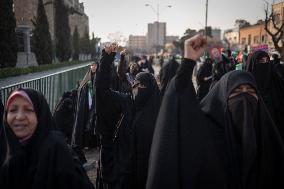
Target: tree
(276,33)
(187,34)
(62,32)
(241,23)
(41,37)
(8,39)
(76,47)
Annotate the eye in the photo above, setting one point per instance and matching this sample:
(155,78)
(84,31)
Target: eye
(12,110)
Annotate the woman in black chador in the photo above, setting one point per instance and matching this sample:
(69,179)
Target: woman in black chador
(83,134)
(227,141)
(118,117)
(2,136)
(270,86)
(37,155)
(204,79)
(147,105)
(167,72)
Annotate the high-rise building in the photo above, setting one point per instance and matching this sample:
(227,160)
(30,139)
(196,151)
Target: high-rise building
(156,35)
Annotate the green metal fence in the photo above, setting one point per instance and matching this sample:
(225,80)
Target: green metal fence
(52,86)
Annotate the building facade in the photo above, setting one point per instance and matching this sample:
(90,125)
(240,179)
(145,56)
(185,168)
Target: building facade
(137,43)
(231,36)
(25,11)
(254,35)
(156,35)
(216,34)
(171,39)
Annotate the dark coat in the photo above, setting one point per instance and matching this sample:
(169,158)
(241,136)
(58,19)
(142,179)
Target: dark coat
(113,127)
(85,118)
(271,88)
(203,85)
(167,72)
(143,130)
(193,145)
(45,161)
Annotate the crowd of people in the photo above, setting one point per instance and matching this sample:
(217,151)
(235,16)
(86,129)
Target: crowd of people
(152,131)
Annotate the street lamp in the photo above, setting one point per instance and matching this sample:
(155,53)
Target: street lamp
(206,16)
(157,11)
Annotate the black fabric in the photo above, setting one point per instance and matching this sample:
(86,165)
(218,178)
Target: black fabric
(45,161)
(218,70)
(183,153)
(256,161)
(196,148)
(2,136)
(271,87)
(167,72)
(203,85)
(84,124)
(114,128)
(143,129)
(64,113)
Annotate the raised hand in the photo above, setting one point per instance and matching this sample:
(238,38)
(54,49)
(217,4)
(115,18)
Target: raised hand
(194,47)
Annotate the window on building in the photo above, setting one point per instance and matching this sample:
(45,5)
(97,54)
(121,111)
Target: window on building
(249,39)
(256,39)
(277,18)
(243,41)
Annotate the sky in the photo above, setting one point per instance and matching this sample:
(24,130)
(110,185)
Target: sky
(124,17)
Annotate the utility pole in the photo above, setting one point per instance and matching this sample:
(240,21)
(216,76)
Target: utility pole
(206,18)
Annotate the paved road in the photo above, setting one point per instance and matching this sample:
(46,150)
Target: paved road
(13,80)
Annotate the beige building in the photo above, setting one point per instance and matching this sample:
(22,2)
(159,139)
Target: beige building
(255,35)
(26,10)
(232,37)
(137,43)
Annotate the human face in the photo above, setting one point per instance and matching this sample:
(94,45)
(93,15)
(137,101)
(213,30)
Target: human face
(134,68)
(93,68)
(21,117)
(263,60)
(244,88)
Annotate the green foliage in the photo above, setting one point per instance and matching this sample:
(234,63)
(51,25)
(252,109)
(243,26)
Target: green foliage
(76,47)
(8,40)
(62,31)
(10,72)
(41,37)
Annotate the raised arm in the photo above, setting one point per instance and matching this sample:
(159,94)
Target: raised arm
(103,75)
(122,68)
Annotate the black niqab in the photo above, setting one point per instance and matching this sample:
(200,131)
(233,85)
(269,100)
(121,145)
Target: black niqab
(143,129)
(271,87)
(256,161)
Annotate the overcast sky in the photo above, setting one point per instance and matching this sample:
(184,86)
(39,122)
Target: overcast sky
(132,16)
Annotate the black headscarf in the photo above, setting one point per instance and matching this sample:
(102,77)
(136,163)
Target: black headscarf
(255,151)
(143,129)
(183,154)
(44,161)
(2,136)
(204,71)
(195,147)
(271,87)
(167,72)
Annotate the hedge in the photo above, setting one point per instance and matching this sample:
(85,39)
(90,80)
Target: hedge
(10,72)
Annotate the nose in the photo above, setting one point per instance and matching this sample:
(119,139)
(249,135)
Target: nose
(20,115)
